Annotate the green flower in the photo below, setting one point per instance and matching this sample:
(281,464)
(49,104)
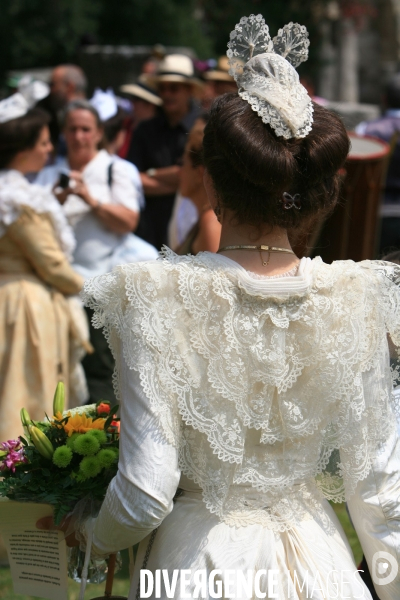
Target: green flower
(62,456)
(99,434)
(106,458)
(90,466)
(71,440)
(86,444)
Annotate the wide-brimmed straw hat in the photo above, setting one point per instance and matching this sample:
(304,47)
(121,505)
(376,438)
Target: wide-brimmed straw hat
(221,72)
(142,91)
(176,68)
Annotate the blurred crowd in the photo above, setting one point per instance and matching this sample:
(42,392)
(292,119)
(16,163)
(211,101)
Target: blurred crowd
(87,184)
(121,175)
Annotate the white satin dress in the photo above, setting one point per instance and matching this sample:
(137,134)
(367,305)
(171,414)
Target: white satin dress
(260,400)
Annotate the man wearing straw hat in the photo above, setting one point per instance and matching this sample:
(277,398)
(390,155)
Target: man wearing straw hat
(144,99)
(218,79)
(158,144)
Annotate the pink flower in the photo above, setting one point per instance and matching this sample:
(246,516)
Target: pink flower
(10,445)
(15,455)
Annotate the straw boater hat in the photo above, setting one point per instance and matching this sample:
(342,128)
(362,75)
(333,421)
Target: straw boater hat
(176,68)
(141,90)
(221,72)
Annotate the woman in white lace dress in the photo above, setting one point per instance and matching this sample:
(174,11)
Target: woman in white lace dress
(256,383)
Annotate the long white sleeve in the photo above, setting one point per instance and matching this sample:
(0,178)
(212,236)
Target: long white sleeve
(375,512)
(141,495)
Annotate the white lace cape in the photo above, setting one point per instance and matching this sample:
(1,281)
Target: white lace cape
(16,192)
(273,400)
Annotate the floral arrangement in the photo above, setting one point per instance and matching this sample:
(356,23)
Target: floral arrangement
(63,459)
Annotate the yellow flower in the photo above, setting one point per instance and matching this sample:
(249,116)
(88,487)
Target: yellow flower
(80,423)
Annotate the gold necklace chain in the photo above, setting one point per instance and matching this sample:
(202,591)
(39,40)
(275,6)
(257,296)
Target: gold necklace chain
(260,249)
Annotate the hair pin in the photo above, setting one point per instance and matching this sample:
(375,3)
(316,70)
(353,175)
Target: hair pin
(289,201)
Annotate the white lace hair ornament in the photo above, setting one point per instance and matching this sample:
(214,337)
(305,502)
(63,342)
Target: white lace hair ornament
(268,80)
(29,93)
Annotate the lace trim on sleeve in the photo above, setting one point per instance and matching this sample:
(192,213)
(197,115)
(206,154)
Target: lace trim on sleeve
(271,401)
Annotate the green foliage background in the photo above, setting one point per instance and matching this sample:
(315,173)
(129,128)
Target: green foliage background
(39,33)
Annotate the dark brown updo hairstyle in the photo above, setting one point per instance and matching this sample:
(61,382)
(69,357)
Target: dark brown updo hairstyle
(21,134)
(251,167)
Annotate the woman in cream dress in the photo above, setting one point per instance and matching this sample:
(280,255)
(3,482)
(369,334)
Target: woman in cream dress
(39,327)
(255,383)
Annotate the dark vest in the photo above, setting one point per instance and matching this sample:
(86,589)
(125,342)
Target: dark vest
(384,128)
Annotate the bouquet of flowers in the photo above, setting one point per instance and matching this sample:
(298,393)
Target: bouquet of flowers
(66,458)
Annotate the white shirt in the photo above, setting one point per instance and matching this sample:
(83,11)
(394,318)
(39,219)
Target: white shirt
(134,174)
(99,249)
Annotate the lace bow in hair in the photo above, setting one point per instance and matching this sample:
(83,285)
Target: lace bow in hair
(269,81)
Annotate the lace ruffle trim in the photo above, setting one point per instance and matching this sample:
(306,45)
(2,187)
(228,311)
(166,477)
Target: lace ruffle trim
(260,396)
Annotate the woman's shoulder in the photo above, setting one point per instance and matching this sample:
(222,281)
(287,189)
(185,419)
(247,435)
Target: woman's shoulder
(349,273)
(150,280)
(170,274)
(17,192)
(17,195)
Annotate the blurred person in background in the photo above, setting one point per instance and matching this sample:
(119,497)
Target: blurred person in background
(185,213)
(145,103)
(387,128)
(158,144)
(218,82)
(40,343)
(67,83)
(206,232)
(102,213)
(114,120)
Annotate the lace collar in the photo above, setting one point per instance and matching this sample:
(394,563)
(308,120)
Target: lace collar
(280,287)
(16,192)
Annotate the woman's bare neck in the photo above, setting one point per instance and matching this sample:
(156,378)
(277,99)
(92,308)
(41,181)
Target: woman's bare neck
(252,260)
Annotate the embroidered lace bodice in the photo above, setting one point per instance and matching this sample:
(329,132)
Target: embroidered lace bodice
(276,392)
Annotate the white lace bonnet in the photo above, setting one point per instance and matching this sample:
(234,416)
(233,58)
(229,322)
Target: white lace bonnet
(268,80)
(29,93)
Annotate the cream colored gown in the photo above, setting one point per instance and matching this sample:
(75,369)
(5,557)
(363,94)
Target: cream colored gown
(38,325)
(261,400)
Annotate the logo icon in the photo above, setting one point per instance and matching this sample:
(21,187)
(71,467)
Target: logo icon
(384,568)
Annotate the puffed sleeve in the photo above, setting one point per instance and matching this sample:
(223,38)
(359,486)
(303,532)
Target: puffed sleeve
(141,494)
(375,505)
(375,512)
(34,234)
